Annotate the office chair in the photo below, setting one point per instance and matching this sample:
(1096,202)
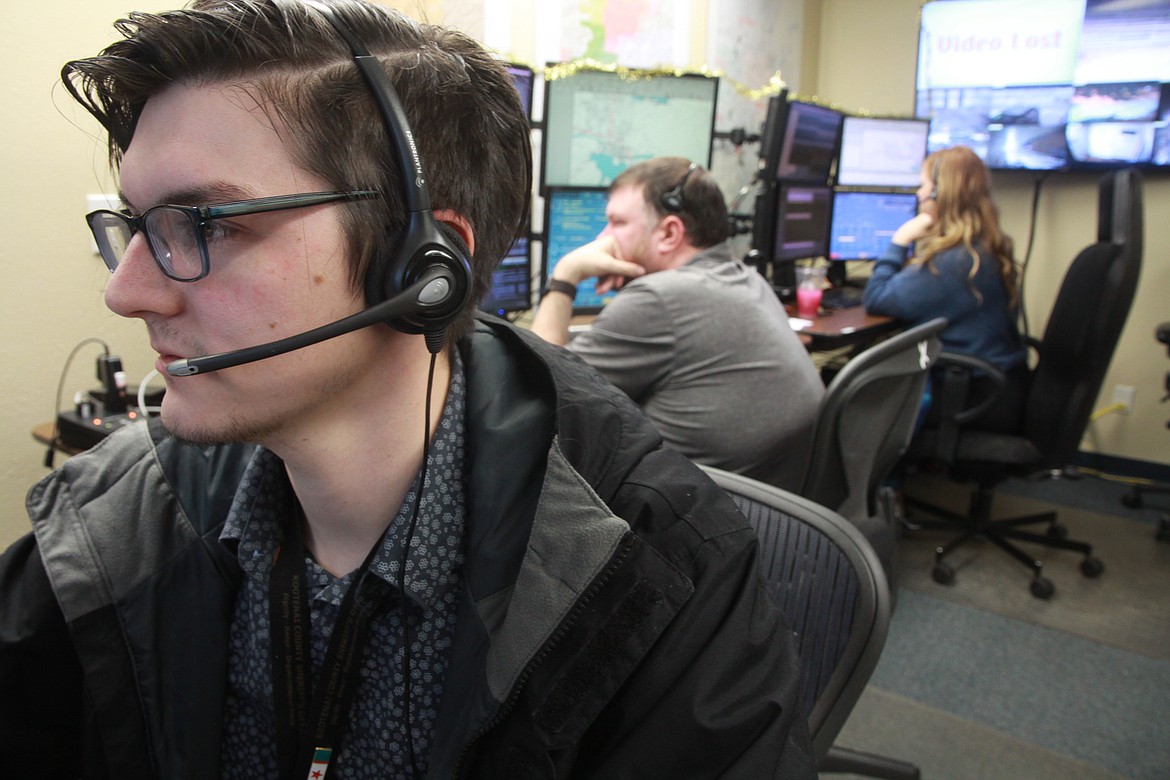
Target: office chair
(1134,498)
(1072,357)
(832,590)
(864,425)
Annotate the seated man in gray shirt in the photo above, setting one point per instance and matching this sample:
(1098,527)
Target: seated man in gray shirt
(695,337)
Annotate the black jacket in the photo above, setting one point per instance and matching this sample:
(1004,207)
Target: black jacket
(611,625)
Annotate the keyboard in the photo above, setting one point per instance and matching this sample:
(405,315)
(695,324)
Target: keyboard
(842,297)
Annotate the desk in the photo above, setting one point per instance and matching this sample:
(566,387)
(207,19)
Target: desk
(831,329)
(836,328)
(44,434)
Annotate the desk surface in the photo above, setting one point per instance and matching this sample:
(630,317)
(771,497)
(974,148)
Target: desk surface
(833,328)
(44,434)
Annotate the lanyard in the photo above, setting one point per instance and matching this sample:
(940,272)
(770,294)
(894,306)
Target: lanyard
(311,719)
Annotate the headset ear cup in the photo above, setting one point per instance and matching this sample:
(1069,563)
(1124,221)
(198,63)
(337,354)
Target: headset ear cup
(429,248)
(458,258)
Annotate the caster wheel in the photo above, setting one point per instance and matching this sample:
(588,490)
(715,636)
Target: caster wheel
(1132,500)
(1057,531)
(943,573)
(1092,567)
(1042,588)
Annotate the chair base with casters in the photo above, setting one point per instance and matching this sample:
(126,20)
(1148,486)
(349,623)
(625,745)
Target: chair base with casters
(977,524)
(1134,499)
(843,760)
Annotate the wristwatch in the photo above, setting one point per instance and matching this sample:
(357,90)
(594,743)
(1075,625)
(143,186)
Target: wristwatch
(560,286)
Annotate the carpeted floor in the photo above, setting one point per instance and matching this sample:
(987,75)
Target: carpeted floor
(979,679)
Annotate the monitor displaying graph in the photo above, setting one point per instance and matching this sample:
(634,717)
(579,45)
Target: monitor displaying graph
(864,222)
(573,218)
(882,152)
(598,123)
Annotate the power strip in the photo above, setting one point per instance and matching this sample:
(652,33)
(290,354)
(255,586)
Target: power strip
(82,432)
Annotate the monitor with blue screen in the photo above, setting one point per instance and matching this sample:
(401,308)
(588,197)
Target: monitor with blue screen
(573,217)
(511,282)
(864,222)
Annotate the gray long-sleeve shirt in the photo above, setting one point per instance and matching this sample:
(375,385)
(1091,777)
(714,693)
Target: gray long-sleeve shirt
(706,350)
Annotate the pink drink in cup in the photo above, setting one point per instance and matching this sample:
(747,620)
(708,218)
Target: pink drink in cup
(808,300)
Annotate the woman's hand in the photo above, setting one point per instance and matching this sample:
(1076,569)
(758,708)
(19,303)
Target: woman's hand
(913,229)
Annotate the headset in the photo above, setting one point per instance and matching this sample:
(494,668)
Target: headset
(419,284)
(672,199)
(934,179)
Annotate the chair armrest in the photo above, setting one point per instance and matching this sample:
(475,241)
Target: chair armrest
(967,364)
(952,396)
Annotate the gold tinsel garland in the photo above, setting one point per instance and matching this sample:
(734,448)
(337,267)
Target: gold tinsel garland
(563,69)
(774,86)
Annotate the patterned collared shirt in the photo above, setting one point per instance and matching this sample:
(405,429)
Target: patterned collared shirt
(373,745)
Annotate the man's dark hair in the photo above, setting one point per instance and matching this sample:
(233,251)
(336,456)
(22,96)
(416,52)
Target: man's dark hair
(471,131)
(703,212)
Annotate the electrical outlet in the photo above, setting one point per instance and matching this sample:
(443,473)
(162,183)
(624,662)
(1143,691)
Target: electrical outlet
(1123,395)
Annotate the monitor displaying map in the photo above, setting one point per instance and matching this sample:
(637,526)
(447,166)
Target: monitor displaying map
(598,123)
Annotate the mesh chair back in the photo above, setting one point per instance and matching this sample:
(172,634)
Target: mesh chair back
(866,419)
(831,589)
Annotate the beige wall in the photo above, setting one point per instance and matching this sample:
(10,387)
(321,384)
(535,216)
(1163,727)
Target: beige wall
(50,282)
(866,61)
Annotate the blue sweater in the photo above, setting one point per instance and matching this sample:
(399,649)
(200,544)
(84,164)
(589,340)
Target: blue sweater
(914,294)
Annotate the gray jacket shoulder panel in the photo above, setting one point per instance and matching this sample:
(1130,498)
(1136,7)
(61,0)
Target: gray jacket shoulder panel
(104,520)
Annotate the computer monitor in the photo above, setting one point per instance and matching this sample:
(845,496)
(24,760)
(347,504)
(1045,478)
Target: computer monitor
(881,152)
(574,217)
(598,123)
(511,282)
(802,222)
(771,135)
(864,222)
(523,79)
(809,145)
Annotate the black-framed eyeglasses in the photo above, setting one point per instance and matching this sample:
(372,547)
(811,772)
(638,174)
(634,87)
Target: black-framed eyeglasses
(177,235)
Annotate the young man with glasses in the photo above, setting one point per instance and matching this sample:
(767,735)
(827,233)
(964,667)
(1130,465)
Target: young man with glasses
(428,546)
(698,339)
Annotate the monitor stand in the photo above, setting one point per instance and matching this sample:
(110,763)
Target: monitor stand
(784,280)
(836,273)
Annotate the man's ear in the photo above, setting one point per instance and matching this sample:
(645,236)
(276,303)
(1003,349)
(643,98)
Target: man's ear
(459,224)
(672,233)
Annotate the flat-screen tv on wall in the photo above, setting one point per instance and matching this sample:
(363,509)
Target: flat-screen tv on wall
(1048,84)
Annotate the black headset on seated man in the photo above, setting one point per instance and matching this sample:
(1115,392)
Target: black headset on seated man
(672,199)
